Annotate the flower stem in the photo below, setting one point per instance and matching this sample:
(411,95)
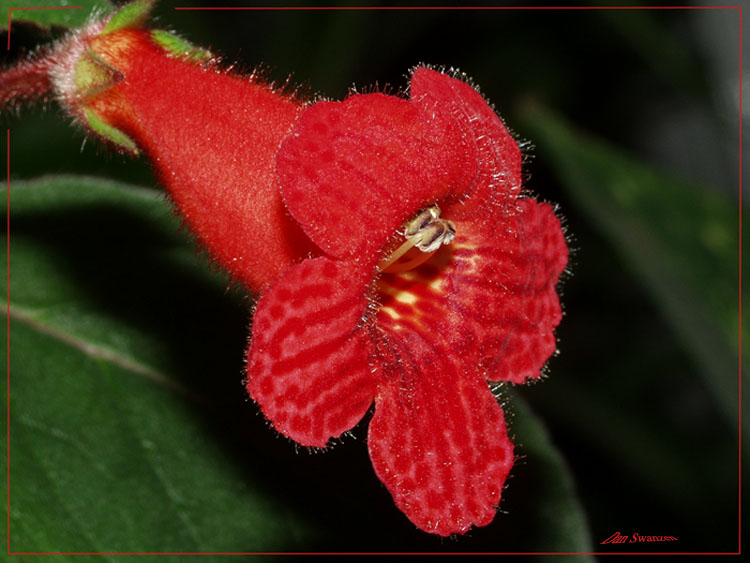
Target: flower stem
(26,82)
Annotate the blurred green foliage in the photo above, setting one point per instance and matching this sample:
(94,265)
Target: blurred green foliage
(45,13)
(634,118)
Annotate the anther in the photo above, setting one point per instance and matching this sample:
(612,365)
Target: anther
(424,234)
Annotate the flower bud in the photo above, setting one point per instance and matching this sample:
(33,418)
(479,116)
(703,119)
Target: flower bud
(212,135)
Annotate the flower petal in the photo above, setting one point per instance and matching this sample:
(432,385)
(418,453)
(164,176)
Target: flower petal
(308,364)
(353,171)
(490,297)
(499,155)
(506,285)
(438,440)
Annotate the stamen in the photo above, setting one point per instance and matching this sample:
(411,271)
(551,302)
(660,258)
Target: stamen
(424,234)
(414,258)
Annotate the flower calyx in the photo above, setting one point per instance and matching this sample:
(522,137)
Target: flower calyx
(91,64)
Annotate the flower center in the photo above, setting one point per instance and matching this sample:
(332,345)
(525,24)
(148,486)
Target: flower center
(424,234)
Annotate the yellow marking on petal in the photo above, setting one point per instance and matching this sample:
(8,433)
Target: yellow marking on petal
(391,313)
(406,297)
(411,275)
(403,296)
(437,285)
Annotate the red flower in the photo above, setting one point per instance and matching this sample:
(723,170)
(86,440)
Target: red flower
(360,324)
(429,273)
(211,134)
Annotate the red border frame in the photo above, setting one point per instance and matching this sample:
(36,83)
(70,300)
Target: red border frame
(394,8)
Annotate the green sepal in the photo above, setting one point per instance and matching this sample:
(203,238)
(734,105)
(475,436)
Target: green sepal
(110,133)
(92,74)
(178,47)
(129,16)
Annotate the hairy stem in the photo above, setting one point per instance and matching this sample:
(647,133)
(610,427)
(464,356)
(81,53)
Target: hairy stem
(26,82)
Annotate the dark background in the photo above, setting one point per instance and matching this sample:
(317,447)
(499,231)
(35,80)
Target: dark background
(625,401)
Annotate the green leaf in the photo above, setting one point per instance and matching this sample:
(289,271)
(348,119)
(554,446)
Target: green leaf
(130,429)
(543,482)
(52,12)
(680,240)
(110,451)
